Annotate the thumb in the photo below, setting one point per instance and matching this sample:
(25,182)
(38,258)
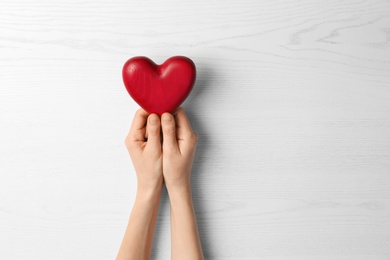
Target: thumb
(153,131)
(169,132)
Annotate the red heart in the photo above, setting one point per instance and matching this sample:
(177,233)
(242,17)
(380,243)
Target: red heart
(159,88)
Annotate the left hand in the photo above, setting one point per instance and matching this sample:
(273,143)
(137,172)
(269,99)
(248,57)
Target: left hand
(144,146)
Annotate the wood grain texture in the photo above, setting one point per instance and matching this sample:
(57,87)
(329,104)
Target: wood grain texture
(291,105)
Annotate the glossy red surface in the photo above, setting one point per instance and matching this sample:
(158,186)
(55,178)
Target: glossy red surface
(159,88)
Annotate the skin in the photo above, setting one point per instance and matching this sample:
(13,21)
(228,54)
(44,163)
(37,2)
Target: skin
(162,150)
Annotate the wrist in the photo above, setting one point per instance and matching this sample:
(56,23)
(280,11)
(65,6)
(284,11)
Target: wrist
(148,194)
(176,185)
(180,191)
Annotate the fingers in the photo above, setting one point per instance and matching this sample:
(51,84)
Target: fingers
(153,131)
(169,132)
(174,128)
(184,128)
(137,129)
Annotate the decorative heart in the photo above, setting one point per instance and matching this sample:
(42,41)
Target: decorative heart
(159,88)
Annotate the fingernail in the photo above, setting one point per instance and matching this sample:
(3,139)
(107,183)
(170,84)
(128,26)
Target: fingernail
(152,119)
(167,118)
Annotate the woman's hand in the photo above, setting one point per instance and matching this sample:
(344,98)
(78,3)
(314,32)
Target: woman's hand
(179,146)
(144,145)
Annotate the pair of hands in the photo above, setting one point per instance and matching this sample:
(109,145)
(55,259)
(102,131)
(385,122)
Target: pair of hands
(161,149)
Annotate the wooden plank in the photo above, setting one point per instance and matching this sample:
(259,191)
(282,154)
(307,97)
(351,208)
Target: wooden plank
(291,105)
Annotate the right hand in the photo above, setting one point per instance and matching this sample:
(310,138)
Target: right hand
(179,144)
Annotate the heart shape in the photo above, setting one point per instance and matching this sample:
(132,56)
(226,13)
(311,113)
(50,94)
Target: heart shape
(159,88)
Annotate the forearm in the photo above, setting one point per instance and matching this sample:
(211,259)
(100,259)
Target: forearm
(138,238)
(184,230)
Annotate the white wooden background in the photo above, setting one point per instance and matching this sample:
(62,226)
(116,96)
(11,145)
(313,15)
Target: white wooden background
(291,104)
